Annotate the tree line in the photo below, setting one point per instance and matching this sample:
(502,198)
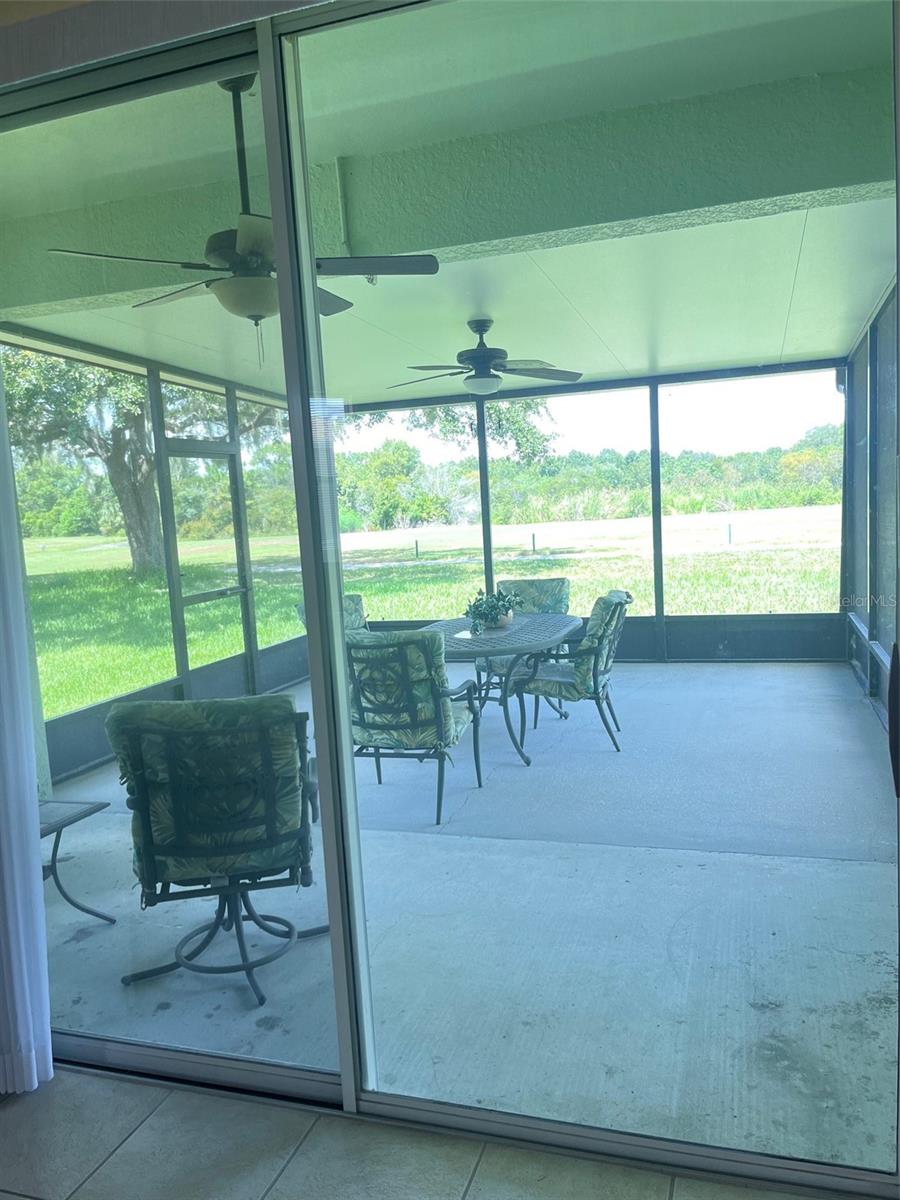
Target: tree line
(85,465)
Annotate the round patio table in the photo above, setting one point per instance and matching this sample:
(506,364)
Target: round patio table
(529,635)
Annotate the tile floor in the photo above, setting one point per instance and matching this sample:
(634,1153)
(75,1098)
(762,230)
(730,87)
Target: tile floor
(743,921)
(91,1136)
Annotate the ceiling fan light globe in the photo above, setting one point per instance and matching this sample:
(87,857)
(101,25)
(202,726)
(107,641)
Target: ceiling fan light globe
(482,385)
(253,297)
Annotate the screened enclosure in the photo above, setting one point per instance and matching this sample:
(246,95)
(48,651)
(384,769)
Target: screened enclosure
(691,424)
(772,544)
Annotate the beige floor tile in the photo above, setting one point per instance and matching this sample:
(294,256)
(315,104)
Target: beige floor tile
(345,1159)
(696,1189)
(511,1174)
(201,1146)
(51,1139)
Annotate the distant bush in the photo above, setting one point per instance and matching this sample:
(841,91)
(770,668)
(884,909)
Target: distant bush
(62,499)
(351,522)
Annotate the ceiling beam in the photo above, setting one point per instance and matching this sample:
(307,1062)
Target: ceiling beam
(750,152)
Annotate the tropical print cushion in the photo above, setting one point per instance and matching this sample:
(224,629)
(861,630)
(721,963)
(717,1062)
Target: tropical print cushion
(558,680)
(215,819)
(354,611)
(395,683)
(539,595)
(573,679)
(425,738)
(602,633)
(353,607)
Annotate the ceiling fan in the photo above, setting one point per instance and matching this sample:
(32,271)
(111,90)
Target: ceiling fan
(243,258)
(479,366)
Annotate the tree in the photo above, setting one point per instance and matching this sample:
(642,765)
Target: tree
(510,425)
(62,499)
(391,488)
(100,416)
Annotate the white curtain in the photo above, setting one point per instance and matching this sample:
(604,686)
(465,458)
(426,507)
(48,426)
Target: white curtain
(25,1054)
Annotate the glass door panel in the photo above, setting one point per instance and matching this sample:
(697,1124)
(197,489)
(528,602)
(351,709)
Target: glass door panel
(704,889)
(204,522)
(271,522)
(135,506)
(884,599)
(214,630)
(193,412)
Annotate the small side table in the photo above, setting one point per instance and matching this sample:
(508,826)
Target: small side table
(57,815)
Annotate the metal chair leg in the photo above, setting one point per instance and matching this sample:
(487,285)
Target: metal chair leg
(377,764)
(440,786)
(212,929)
(234,908)
(612,712)
(537,709)
(230,917)
(606,724)
(476,748)
(522,720)
(278,926)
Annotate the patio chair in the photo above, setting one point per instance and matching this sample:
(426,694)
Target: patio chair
(220,793)
(538,596)
(582,672)
(401,702)
(354,611)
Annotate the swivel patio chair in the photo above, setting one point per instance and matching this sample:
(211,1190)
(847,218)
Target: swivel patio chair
(354,611)
(221,794)
(582,672)
(537,596)
(401,702)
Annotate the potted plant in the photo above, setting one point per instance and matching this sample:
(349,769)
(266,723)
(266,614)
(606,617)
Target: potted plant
(493,610)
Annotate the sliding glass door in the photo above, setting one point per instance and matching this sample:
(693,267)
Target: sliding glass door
(147,403)
(602,878)
(592,304)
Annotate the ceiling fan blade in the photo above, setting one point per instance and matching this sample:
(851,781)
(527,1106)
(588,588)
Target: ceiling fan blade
(162,262)
(254,236)
(192,288)
(427,379)
(388,264)
(543,373)
(437,367)
(329,303)
(525,364)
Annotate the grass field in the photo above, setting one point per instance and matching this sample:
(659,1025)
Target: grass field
(101,632)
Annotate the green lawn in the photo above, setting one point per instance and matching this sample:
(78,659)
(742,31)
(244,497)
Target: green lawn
(101,632)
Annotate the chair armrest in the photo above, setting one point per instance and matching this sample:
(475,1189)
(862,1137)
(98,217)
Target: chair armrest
(464,691)
(311,787)
(459,692)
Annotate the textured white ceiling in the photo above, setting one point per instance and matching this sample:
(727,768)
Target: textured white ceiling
(775,289)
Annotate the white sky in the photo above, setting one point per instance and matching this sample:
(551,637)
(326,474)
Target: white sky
(722,417)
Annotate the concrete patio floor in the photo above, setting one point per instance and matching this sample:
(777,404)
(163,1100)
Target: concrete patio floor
(695,938)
